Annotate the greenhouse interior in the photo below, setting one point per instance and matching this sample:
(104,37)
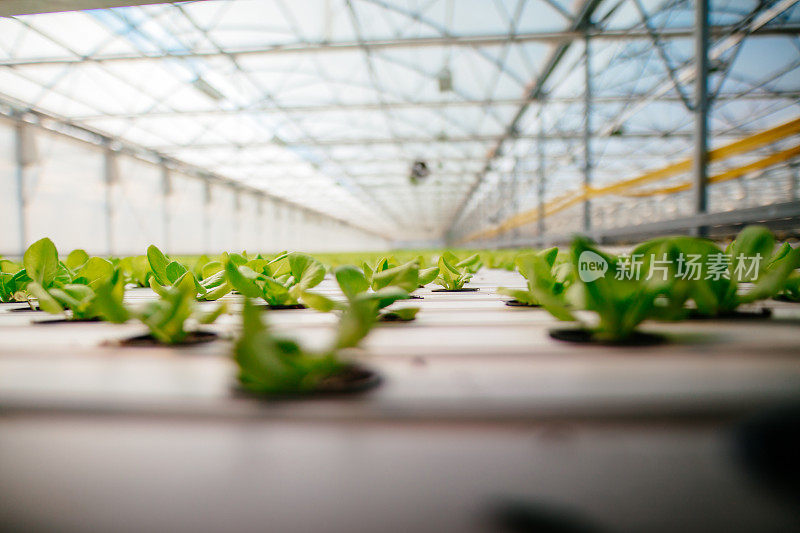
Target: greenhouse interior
(400,266)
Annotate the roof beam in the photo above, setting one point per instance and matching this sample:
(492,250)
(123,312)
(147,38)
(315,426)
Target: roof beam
(12,8)
(569,136)
(431,104)
(580,26)
(562,38)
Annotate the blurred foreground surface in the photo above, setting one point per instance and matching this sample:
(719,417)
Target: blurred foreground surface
(483,423)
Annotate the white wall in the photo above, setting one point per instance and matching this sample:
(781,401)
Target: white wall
(72,199)
(66,194)
(9,198)
(137,206)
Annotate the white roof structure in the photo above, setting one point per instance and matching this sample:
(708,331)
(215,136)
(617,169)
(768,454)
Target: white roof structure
(328,103)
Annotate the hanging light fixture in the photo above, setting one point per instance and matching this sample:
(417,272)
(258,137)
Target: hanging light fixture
(419,171)
(445,79)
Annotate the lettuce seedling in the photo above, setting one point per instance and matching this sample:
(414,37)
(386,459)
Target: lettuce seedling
(356,288)
(621,304)
(770,278)
(472,263)
(214,279)
(405,276)
(454,274)
(384,263)
(166,273)
(99,295)
(546,281)
(272,364)
(166,317)
(136,270)
(279,282)
(677,268)
(43,270)
(76,259)
(791,288)
(13,280)
(505,260)
(427,275)
(387,268)
(715,286)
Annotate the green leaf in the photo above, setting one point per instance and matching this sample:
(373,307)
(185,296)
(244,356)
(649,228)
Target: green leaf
(306,270)
(157,288)
(275,293)
(447,272)
(351,280)
(136,269)
(96,270)
(355,323)
(771,282)
(41,261)
(269,364)
(526,264)
(427,275)
(158,264)
(525,297)
(211,268)
(405,276)
(237,259)
(472,263)
(319,302)
(243,280)
(383,297)
(259,265)
(751,242)
(46,302)
(76,259)
(550,255)
(108,301)
(215,280)
(368,272)
(217,292)
(174,271)
(621,304)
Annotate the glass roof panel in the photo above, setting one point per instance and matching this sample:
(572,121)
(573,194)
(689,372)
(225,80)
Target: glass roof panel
(330,102)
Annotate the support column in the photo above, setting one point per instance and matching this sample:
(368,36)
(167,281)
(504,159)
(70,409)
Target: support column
(23,151)
(166,192)
(237,219)
(540,186)
(207,217)
(700,167)
(587,131)
(514,196)
(110,171)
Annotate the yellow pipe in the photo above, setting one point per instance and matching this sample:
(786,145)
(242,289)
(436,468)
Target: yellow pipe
(733,173)
(746,144)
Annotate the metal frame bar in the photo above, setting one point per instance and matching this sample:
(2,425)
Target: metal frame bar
(469,41)
(12,8)
(20,150)
(701,108)
(166,194)
(783,215)
(577,136)
(110,171)
(535,92)
(587,131)
(368,106)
